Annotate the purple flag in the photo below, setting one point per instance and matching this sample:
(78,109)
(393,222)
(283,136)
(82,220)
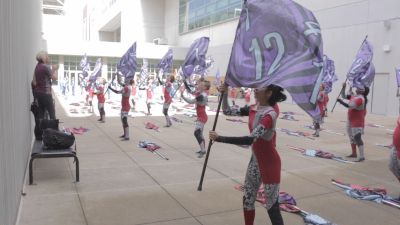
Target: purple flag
(217,80)
(398,77)
(166,62)
(144,72)
(196,56)
(127,65)
(278,42)
(202,70)
(96,71)
(329,74)
(85,66)
(362,71)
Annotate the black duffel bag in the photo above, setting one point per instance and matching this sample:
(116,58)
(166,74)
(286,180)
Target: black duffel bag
(55,139)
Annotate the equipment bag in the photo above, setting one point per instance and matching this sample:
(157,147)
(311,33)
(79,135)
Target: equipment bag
(54,139)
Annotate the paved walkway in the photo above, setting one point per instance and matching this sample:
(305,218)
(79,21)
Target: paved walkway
(122,184)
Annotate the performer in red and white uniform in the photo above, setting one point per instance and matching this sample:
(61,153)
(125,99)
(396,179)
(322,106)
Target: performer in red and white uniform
(356,119)
(99,92)
(247,96)
(265,164)
(233,95)
(394,162)
(201,100)
(321,106)
(149,96)
(125,107)
(168,95)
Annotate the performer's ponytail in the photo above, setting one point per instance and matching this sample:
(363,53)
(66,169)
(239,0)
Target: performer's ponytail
(277,94)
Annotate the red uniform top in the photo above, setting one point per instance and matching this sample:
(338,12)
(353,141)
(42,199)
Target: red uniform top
(247,96)
(396,138)
(167,93)
(125,106)
(326,100)
(268,158)
(201,102)
(356,113)
(149,93)
(321,102)
(100,94)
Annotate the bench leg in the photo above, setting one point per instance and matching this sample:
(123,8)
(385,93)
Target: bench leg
(31,171)
(77,168)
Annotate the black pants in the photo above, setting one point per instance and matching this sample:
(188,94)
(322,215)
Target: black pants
(46,104)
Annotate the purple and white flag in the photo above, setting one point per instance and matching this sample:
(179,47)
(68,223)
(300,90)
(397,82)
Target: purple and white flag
(127,65)
(217,80)
(329,74)
(166,62)
(202,70)
(144,72)
(278,42)
(362,71)
(85,66)
(96,71)
(398,77)
(196,56)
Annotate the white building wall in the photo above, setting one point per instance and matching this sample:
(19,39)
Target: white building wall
(20,40)
(344,25)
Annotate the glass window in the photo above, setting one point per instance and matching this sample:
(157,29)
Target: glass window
(195,14)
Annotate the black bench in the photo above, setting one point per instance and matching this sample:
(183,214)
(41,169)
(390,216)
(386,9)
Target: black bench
(39,151)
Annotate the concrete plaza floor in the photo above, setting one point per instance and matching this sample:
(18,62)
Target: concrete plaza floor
(122,184)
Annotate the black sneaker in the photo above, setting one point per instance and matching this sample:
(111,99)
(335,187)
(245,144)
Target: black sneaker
(201,154)
(360,159)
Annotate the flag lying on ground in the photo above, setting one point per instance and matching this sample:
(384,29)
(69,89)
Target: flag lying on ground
(288,203)
(329,74)
(285,51)
(165,64)
(398,77)
(96,71)
(362,71)
(378,195)
(196,56)
(85,66)
(127,64)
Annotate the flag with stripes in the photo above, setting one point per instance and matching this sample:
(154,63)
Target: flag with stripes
(127,64)
(165,64)
(278,42)
(96,71)
(196,56)
(144,73)
(329,74)
(398,77)
(85,66)
(203,69)
(362,71)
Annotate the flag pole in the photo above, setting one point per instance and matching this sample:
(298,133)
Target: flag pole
(200,187)
(346,77)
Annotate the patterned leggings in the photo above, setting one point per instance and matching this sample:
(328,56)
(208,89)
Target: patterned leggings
(252,184)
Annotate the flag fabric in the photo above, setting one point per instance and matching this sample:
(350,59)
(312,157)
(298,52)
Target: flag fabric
(217,80)
(196,56)
(165,64)
(85,66)
(362,71)
(329,74)
(144,73)
(96,71)
(278,42)
(127,65)
(398,77)
(202,70)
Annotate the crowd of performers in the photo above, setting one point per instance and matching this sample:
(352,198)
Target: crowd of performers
(265,163)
